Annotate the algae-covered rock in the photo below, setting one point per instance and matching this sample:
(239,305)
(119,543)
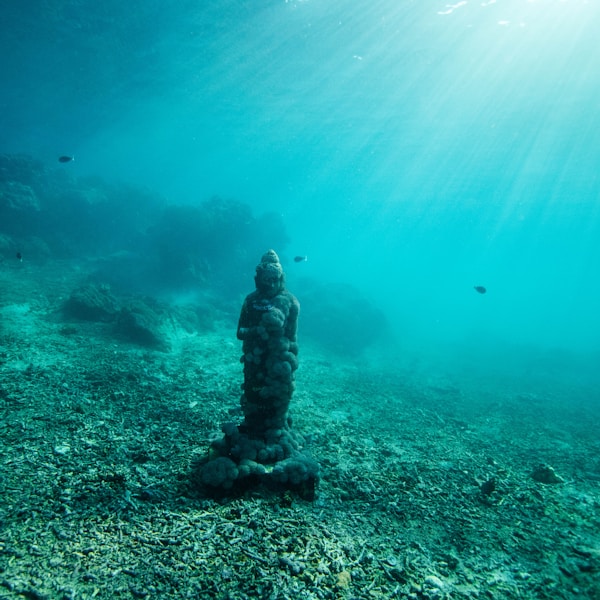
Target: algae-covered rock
(143,324)
(546,474)
(92,303)
(339,317)
(15,196)
(22,168)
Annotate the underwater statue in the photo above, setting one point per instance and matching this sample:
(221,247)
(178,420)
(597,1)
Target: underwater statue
(267,326)
(263,448)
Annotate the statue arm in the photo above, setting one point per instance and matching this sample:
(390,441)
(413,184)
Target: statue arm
(291,326)
(244,322)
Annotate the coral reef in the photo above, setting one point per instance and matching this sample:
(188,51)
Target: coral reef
(19,194)
(95,435)
(15,196)
(92,303)
(263,448)
(74,216)
(208,244)
(142,322)
(138,242)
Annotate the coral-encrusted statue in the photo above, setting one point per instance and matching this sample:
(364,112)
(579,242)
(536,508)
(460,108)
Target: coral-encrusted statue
(263,448)
(267,326)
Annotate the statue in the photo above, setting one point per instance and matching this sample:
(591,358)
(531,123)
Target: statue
(263,448)
(267,326)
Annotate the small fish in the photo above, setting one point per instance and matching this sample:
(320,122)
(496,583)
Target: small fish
(65,159)
(19,257)
(480,289)
(300,258)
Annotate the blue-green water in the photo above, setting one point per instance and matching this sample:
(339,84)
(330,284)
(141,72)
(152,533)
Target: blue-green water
(415,149)
(412,150)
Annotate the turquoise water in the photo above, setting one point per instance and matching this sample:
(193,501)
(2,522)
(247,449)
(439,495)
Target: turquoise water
(415,149)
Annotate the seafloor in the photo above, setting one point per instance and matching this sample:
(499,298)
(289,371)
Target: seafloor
(425,492)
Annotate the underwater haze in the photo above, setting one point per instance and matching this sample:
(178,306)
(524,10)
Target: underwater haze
(426,173)
(414,149)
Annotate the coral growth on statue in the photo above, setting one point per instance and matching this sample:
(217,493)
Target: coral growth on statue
(264,448)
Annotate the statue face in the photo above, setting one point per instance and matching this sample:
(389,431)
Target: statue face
(267,283)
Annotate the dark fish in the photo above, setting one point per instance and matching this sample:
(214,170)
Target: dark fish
(300,258)
(65,159)
(480,289)
(19,256)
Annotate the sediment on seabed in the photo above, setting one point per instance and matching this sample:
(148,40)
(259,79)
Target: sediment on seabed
(426,487)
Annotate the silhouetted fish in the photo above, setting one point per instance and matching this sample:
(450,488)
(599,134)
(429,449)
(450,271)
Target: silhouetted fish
(480,289)
(65,159)
(19,256)
(300,258)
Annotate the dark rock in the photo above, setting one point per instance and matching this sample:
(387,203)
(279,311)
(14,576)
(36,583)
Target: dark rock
(142,324)
(20,167)
(489,486)
(546,474)
(339,317)
(92,303)
(15,196)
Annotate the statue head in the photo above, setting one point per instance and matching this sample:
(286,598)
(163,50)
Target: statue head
(269,278)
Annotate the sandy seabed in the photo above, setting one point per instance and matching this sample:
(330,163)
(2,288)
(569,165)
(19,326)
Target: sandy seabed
(425,487)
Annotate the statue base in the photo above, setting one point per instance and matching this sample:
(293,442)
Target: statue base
(242,460)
